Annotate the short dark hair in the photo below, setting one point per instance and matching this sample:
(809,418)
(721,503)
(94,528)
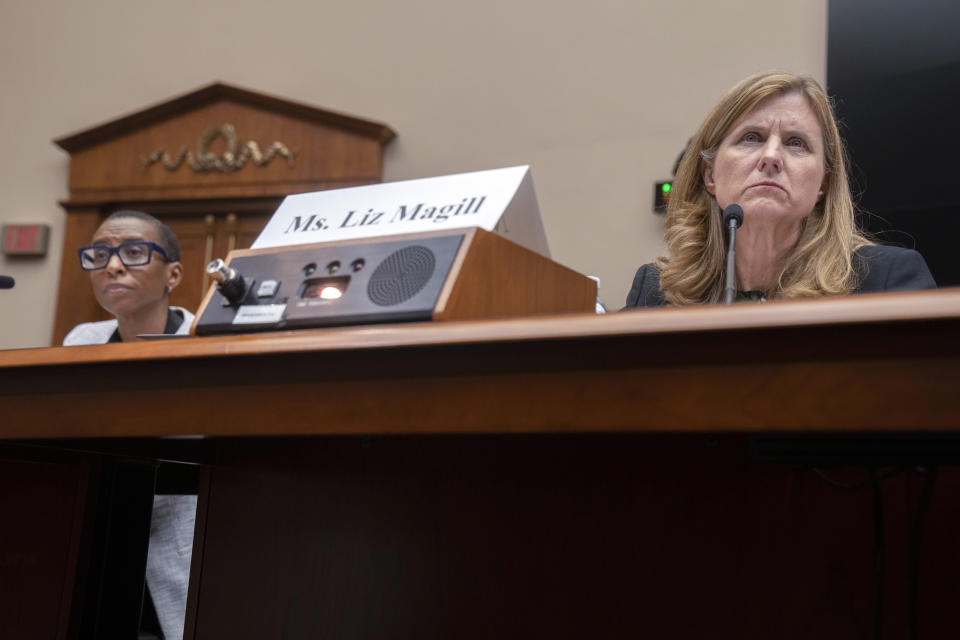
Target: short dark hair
(167,238)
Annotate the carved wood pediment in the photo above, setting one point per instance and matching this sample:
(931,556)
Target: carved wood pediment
(223,141)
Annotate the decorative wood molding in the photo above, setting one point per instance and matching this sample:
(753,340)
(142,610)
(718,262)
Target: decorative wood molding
(234,158)
(213,93)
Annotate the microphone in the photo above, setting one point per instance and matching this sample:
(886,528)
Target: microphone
(732,219)
(231,284)
(6,282)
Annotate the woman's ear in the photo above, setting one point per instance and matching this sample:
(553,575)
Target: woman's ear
(708,179)
(174,275)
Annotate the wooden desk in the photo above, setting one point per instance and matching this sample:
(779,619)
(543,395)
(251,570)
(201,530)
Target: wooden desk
(861,363)
(559,476)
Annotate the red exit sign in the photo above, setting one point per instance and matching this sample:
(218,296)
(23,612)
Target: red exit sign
(25,239)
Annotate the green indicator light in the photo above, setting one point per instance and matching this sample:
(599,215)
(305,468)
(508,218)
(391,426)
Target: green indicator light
(666,187)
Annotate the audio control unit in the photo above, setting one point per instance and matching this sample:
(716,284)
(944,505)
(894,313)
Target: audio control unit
(468,273)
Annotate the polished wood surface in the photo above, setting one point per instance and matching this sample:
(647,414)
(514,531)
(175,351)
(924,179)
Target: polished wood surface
(904,309)
(493,277)
(857,364)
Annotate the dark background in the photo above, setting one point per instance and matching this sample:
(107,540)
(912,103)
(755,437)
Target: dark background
(894,70)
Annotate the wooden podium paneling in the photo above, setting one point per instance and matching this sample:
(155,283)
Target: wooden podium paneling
(42,509)
(566,476)
(564,536)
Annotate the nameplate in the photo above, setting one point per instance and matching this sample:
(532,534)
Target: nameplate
(259,314)
(500,200)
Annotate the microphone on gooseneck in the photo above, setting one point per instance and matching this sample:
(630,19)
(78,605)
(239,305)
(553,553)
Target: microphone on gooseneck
(732,219)
(6,282)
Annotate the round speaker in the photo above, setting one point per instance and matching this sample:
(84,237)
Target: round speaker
(401,275)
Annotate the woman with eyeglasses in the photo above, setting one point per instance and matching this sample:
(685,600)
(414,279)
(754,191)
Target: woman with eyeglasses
(134,264)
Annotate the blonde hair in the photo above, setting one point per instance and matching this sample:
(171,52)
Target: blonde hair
(821,263)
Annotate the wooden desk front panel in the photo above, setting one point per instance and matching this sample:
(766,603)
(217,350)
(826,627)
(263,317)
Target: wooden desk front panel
(43,510)
(564,536)
(886,377)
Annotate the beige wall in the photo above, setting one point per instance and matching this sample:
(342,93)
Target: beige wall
(598,97)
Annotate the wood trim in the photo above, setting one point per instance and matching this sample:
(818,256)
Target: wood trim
(80,140)
(882,363)
(909,308)
(499,389)
(186,207)
(448,285)
(81,197)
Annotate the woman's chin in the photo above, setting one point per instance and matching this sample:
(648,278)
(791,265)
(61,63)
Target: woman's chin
(769,212)
(120,308)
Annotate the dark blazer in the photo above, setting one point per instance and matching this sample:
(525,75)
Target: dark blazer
(879,268)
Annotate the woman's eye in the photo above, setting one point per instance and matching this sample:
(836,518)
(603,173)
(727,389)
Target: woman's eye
(797,143)
(751,137)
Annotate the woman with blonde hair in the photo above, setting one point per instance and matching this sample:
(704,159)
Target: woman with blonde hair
(771,145)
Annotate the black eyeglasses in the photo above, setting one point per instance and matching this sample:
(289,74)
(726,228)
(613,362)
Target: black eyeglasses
(132,254)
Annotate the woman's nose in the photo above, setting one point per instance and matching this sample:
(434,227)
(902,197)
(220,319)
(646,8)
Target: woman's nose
(771,158)
(114,264)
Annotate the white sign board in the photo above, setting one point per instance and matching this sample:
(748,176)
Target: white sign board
(500,200)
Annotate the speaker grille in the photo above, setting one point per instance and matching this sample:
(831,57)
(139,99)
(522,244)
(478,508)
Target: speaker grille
(401,275)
